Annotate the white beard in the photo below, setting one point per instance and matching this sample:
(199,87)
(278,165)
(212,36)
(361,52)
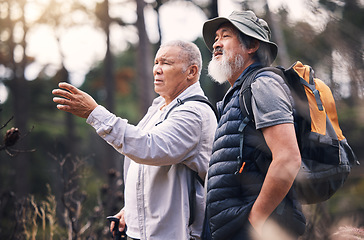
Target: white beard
(221,71)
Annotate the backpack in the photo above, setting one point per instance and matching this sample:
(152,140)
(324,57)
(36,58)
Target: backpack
(327,158)
(193,175)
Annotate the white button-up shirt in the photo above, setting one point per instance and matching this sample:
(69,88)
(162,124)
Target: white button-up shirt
(158,162)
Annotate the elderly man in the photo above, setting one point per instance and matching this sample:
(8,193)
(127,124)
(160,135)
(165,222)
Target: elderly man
(244,202)
(162,153)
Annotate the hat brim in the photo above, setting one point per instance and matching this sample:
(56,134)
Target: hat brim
(211,26)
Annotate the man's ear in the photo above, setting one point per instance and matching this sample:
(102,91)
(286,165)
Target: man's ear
(253,46)
(192,72)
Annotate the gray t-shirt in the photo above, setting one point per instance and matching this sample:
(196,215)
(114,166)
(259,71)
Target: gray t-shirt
(272,103)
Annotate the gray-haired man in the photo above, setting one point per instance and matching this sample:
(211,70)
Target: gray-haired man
(250,203)
(161,153)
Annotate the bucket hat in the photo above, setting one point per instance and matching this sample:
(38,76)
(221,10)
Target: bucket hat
(246,22)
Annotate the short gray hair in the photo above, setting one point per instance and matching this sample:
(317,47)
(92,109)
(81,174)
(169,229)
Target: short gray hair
(190,52)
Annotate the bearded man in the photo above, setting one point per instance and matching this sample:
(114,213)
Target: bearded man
(243,202)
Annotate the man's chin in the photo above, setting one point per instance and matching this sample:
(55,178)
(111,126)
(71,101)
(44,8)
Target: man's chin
(219,80)
(216,72)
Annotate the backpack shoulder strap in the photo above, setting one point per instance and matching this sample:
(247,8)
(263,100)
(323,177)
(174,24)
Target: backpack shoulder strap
(245,93)
(197,98)
(245,96)
(193,174)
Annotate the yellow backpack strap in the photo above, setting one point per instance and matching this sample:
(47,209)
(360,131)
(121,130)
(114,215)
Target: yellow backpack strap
(330,107)
(306,74)
(325,101)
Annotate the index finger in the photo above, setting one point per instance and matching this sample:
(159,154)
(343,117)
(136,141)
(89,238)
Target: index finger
(68,87)
(112,225)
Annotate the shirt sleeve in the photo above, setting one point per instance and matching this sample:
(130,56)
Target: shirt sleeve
(168,143)
(271,101)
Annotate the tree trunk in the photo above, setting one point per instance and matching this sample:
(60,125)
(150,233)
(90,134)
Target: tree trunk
(21,102)
(156,8)
(277,37)
(213,9)
(109,64)
(111,157)
(144,60)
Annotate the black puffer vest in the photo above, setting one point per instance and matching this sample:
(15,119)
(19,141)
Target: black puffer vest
(230,196)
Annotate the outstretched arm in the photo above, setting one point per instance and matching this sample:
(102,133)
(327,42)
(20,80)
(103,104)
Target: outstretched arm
(73,100)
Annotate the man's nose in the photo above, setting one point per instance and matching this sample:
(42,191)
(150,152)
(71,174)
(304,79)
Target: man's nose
(157,69)
(217,44)
(217,49)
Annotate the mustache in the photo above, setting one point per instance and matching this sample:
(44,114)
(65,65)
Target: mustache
(218,50)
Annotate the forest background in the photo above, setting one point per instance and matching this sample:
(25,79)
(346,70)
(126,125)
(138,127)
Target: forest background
(60,180)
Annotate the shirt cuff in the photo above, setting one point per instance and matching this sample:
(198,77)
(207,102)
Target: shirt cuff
(107,125)
(98,116)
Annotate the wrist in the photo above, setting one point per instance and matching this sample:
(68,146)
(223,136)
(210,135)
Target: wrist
(88,113)
(257,221)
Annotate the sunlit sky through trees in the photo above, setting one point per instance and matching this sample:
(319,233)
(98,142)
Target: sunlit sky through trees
(83,45)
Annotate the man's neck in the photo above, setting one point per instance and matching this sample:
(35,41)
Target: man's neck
(169,99)
(235,76)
